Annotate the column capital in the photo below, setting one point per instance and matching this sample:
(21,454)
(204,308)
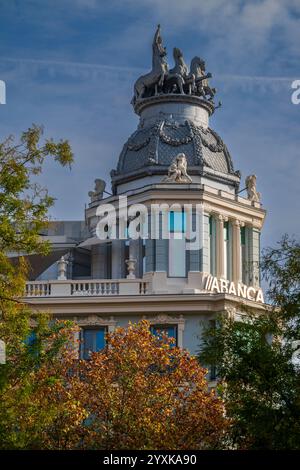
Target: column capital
(237,223)
(207,209)
(220,217)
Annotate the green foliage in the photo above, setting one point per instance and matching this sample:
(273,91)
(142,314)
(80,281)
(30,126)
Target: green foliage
(256,359)
(24,206)
(24,203)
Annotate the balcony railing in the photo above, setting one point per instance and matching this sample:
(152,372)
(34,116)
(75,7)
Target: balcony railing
(70,288)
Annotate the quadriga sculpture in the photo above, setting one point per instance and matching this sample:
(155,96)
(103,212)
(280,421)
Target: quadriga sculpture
(202,87)
(161,80)
(159,69)
(181,72)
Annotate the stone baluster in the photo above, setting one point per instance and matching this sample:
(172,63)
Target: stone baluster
(62,269)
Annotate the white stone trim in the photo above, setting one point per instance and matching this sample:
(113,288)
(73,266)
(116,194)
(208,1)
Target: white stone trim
(95,320)
(91,321)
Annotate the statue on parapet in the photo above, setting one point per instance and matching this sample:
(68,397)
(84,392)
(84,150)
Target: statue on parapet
(253,195)
(97,194)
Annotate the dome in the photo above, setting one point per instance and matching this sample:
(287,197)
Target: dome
(167,131)
(174,105)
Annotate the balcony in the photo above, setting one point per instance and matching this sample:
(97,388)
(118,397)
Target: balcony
(86,288)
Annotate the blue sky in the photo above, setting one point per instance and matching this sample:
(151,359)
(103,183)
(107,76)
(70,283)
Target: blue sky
(71,64)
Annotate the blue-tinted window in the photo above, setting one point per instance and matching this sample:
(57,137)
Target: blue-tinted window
(93,340)
(170,330)
(177,257)
(177,222)
(212,246)
(31,338)
(32,343)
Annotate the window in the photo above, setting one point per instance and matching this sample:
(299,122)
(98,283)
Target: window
(243,255)
(108,261)
(212,245)
(144,255)
(170,330)
(212,368)
(227,251)
(92,340)
(32,343)
(226,238)
(126,256)
(177,222)
(177,251)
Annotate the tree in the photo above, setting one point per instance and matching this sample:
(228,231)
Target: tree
(36,406)
(257,359)
(24,206)
(140,392)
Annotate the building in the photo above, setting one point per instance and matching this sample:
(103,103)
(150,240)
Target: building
(174,157)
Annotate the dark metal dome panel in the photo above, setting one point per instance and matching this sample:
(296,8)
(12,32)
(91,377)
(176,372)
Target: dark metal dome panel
(160,143)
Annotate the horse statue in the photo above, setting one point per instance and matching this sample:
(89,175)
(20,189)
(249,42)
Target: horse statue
(156,77)
(202,87)
(181,72)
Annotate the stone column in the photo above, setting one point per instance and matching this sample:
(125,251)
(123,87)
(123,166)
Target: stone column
(236,251)
(180,330)
(220,245)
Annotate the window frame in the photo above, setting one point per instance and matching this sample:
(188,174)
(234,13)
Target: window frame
(95,328)
(172,223)
(165,326)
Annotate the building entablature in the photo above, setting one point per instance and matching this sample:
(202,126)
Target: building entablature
(105,306)
(216,202)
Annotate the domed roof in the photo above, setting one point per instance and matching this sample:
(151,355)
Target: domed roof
(174,105)
(151,149)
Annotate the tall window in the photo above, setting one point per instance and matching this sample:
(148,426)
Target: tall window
(212,245)
(32,343)
(227,251)
(226,238)
(144,255)
(108,261)
(92,340)
(177,252)
(244,266)
(170,330)
(126,256)
(212,367)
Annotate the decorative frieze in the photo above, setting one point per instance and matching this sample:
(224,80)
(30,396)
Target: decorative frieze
(95,320)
